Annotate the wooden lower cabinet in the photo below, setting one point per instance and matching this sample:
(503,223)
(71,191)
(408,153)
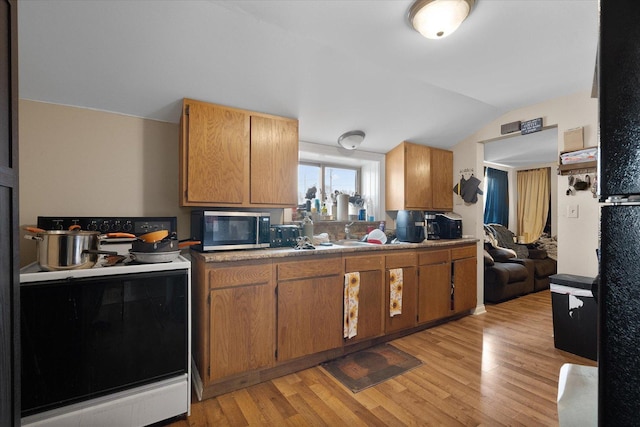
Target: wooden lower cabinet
(464,278)
(234,318)
(254,320)
(371,295)
(406,261)
(309,306)
(435,298)
(447,283)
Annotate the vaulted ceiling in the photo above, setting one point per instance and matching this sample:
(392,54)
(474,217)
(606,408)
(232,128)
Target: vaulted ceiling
(334,65)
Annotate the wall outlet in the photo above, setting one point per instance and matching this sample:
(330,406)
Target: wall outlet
(572,211)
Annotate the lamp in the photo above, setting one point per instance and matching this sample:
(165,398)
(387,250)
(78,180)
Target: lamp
(436,19)
(351,140)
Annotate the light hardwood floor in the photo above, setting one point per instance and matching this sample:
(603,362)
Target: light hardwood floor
(497,368)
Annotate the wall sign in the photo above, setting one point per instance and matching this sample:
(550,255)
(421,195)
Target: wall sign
(531,126)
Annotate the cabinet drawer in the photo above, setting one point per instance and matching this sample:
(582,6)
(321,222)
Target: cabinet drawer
(433,257)
(364,263)
(239,276)
(403,259)
(318,267)
(463,252)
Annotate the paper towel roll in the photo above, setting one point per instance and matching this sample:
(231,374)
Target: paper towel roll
(343,207)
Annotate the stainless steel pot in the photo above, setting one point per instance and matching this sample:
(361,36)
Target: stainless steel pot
(67,250)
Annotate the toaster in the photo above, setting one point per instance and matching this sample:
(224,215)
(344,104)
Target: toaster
(283,236)
(450,225)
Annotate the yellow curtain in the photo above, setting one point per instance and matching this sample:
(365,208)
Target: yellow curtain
(533,203)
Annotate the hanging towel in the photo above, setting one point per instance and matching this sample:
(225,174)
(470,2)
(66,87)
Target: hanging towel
(395,295)
(351,299)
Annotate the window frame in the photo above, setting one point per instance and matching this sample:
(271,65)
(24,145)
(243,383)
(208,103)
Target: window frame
(323,165)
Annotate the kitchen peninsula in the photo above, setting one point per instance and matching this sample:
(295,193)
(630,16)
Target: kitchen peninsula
(260,314)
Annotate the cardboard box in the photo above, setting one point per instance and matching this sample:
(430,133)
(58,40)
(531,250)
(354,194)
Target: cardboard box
(573,139)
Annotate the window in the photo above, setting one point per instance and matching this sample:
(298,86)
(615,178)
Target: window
(332,178)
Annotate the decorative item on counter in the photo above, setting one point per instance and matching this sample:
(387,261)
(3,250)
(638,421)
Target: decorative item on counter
(323,211)
(382,225)
(343,207)
(362,214)
(307,226)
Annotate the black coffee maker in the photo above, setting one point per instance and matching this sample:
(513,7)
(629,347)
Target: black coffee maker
(410,226)
(431,227)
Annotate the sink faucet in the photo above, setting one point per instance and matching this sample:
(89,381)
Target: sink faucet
(347,230)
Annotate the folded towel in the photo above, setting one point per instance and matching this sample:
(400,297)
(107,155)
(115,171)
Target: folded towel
(395,287)
(351,299)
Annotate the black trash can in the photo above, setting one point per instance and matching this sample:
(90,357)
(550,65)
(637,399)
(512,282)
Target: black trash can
(575,315)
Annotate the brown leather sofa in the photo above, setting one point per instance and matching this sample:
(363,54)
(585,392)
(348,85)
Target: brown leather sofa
(513,270)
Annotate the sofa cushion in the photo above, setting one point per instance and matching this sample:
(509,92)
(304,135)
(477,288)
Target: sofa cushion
(537,253)
(545,267)
(506,272)
(501,254)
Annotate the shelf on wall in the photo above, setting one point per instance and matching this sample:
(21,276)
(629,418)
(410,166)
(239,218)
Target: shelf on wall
(578,167)
(575,168)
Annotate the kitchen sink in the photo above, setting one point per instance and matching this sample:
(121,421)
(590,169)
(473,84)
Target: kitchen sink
(352,243)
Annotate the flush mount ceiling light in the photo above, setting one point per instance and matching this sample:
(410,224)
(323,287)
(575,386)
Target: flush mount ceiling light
(351,140)
(436,19)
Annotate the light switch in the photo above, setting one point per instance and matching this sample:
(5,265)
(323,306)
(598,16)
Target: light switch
(572,211)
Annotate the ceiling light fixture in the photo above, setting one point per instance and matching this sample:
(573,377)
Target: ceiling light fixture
(351,140)
(436,19)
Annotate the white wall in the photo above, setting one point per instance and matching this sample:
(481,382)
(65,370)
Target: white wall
(577,237)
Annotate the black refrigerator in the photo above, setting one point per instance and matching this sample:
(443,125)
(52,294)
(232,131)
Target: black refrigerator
(619,191)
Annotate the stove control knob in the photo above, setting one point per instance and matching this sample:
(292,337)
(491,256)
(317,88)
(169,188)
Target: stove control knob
(104,226)
(92,226)
(127,226)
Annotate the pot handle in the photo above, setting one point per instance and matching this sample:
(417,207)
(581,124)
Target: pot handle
(35,230)
(129,235)
(36,238)
(74,227)
(188,243)
(93,251)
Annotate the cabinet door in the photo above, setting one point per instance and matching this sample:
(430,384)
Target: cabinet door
(418,185)
(442,179)
(274,161)
(309,316)
(215,155)
(434,292)
(371,295)
(242,321)
(465,284)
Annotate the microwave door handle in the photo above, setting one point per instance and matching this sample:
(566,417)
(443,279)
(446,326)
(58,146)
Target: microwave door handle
(257,230)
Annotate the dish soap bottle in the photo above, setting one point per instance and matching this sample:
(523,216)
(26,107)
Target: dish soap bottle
(307,227)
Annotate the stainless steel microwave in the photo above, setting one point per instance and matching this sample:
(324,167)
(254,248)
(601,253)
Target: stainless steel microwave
(226,230)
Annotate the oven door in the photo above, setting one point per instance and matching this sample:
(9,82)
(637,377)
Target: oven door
(89,337)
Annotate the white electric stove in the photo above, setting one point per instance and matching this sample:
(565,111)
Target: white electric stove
(107,345)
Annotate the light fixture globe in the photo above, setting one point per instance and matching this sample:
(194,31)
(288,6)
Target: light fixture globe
(351,140)
(436,19)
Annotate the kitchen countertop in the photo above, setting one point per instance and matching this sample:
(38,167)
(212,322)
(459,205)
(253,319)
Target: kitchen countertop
(270,253)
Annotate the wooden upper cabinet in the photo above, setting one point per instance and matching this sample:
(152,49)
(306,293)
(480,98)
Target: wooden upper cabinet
(234,157)
(419,177)
(441,179)
(274,150)
(215,150)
